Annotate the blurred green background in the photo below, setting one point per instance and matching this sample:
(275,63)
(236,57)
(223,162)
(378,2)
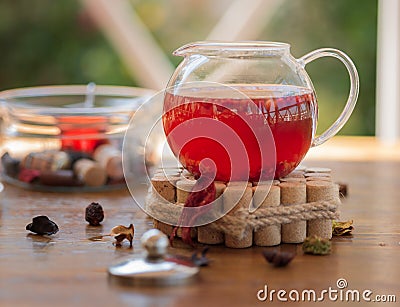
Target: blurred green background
(56,42)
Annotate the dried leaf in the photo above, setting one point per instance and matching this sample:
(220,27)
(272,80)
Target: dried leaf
(316,246)
(278,258)
(121,233)
(342,228)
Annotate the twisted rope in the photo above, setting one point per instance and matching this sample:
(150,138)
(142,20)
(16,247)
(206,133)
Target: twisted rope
(235,221)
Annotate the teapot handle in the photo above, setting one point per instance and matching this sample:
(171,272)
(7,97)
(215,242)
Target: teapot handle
(353,94)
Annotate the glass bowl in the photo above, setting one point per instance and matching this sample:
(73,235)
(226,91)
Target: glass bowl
(69,137)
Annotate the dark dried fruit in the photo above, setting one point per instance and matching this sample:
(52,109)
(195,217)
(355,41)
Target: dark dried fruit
(201,260)
(316,246)
(42,226)
(94,214)
(121,233)
(278,258)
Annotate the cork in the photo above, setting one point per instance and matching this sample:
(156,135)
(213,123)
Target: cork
(230,196)
(267,235)
(311,178)
(327,175)
(90,172)
(165,186)
(240,183)
(193,232)
(293,179)
(318,191)
(318,170)
(46,161)
(110,158)
(293,193)
(295,174)
(183,189)
(208,235)
(165,228)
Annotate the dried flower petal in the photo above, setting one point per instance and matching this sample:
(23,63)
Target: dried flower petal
(278,258)
(316,246)
(121,233)
(42,226)
(342,228)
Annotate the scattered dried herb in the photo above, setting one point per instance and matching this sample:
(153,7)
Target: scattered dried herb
(120,233)
(201,260)
(42,225)
(342,228)
(316,246)
(278,258)
(94,214)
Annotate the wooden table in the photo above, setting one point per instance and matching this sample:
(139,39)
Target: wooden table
(67,269)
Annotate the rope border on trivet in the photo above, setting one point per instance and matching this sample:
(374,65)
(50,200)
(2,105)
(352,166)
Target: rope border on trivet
(235,222)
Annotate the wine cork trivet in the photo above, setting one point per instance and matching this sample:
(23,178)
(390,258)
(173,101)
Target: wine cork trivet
(90,172)
(110,158)
(267,235)
(230,197)
(207,234)
(316,191)
(165,186)
(293,193)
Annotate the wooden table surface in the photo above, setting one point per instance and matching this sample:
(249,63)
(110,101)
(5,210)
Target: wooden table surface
(67,269)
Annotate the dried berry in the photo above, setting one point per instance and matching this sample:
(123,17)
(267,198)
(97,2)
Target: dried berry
(94,214)
(121,233)
(316,246)
(342,228)
(278,258)
(42,226)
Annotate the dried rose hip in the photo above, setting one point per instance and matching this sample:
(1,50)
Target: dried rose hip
(42,226)
(94,214)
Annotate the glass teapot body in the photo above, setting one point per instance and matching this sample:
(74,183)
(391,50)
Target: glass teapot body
(248,108)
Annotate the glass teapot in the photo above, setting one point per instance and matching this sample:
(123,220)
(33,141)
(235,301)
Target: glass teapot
(248,109)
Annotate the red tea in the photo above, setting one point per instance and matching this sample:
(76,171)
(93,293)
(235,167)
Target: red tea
(81,133)
(287,110)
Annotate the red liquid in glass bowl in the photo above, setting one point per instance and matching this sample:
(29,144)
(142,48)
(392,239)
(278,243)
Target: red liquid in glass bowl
(289,112)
